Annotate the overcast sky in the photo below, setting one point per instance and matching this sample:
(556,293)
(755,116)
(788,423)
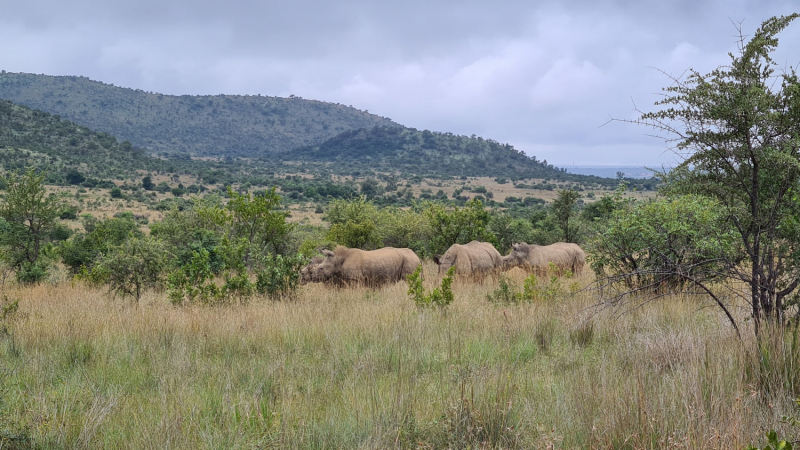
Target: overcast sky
(542,76)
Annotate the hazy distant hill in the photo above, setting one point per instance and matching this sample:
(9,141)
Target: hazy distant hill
(220,125)
(408,150)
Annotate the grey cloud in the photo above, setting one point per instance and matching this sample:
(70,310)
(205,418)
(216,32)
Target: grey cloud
(541,76)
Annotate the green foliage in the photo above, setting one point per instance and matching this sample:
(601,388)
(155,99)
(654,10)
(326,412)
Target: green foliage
(506,230)
(602,209)
(564,210)
(370,188)
(504,294)
(279,275)
(404,228)
(456,226)
(132,266)
(101,235)
(259,219)
(739,127)
(774,443)
(353,223)
(115,192)
(440,297)
(194,281)
(147,183)
(664,244)
(532,291)
(33,272)
(29,215)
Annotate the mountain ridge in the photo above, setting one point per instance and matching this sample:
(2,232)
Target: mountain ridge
(209,125)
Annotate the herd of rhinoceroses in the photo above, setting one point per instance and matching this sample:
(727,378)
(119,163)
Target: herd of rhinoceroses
(352,266)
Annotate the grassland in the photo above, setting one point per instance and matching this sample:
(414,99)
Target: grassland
(356,368)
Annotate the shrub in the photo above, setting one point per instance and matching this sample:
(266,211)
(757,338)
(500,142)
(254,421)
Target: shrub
(354,223)
(194,281)
(33,272)
(132,267)
(662,244)
(279,276)
(440,297)
(532,291)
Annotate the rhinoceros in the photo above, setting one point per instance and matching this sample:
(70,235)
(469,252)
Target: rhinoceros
(348,266)
(537,258)
(475,259)
(307,273)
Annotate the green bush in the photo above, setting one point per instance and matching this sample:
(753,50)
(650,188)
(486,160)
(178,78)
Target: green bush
(279,276)
(440,297)
(664,243)
(33,272)
(131,267)
(354,223)
(533,291)
(194,281)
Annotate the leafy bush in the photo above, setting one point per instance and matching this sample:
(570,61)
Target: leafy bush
(456,226)
(83,249)
(279,276)
(132,267)
(194,281)
(354,223)
(665,244)
(440,297)
(532,290)
(115,192)
(33,272)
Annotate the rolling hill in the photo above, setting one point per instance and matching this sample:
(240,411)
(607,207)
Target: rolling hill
(219,125)
(31,138)
(424,153)
(248,137)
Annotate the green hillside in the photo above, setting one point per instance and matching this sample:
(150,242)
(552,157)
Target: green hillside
(220,125)
(426,153)
(39,139)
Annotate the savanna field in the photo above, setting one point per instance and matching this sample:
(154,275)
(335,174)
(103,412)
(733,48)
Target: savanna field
(361,368)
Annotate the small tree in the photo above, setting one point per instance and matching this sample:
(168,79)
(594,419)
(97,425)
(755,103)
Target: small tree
(456,226)
(147,183)
(30,214)
(258,219)
(738,131)
(440,297)
(665,246)
(279,276)
(563,209)
(132,267)
(354,223)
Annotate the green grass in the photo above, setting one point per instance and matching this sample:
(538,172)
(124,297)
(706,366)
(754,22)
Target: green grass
(344,369)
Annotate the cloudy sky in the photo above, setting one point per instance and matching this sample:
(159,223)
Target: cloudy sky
(542,76)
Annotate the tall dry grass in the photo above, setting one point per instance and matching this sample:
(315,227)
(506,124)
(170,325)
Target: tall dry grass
(356,368)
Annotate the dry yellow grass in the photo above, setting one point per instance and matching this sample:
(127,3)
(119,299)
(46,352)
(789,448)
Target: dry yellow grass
(356,368)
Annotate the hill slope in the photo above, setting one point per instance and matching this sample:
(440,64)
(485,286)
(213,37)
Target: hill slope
(221,125)
(39,139)
(410,151)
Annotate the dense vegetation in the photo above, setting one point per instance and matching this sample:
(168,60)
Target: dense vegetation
(277,135)
(30,138)
(211,125)
(426,153)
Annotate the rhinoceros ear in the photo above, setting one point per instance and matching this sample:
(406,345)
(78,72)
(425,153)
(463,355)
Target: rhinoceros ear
(437,259)
(328,253)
